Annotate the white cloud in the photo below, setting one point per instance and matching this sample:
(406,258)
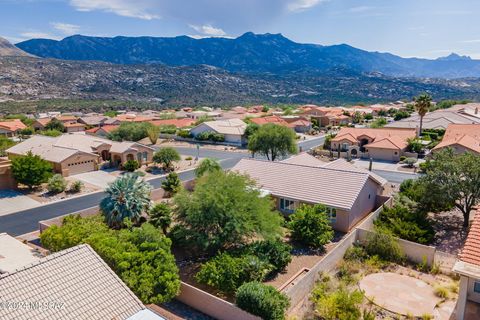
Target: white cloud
(471,41)
(66,28)
(208,30)
(126,8)
(302,5)
(37,35)
(360,9)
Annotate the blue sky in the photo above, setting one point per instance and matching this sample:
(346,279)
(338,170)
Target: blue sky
(422,28)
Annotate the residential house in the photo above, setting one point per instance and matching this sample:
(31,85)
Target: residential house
(270,119)
(130,117)
(349,193)
(326,117)
(78,153)
(41,123)
(468,267)
(461,138)
(7,182)
(70,284)
(66,118)
(102,131)
(11,128)
(71,127)
(299,124)
(379,144)
(233,130)
(178,123)
(201,114)
(93,121)
(439,119)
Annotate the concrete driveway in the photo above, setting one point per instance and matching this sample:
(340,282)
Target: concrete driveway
(98,178)
(12,201)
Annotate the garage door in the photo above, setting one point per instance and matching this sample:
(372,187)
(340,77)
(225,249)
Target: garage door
(81,167)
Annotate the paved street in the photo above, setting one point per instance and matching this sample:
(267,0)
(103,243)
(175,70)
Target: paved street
(27,220)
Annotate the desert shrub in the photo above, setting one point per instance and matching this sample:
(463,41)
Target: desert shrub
(172,183)
(166,156)
(402,158)
(161,216)
(56,184)
(130,131)
(188,158)
(385,246)
(131,165)
(51,133)
(275,252)
(441,292)
(31,170)
(355,253)
(76,186)
(210,136)
(168,129)
(410,162)
(227,273)
(184,134)
(262,300)
(423,265)
(311,225)
(339,305)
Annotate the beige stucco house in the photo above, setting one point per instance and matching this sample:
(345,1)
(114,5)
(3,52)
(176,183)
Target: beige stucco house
(232,129)
(11,128)
(468,267)
(77,153)
(461,138)
(378,144)
(349,193)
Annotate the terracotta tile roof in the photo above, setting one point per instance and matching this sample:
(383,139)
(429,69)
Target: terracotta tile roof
(383,138)
(179,123)
(73,124)
(393,143)
(76,277)
(66,118)
(471,249)
(12,125)
(465,135)
(338,188)
(269,119)
(43,121)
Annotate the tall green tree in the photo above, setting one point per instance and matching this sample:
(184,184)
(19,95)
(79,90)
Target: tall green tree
(225,210)
(166,156)
(161,216)
(207,165)
(423,103)
(172,183)
(310,225)
(55,124)
(273,141)
(452,180)
(31,170)
(153,133)
(128,197)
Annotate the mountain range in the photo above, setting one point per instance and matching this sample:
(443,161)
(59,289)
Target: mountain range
(249,53)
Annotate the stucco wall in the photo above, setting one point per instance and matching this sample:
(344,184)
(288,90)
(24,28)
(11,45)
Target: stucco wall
(211,305)
(6,178)
(384,154)
(471,295)
(365,202)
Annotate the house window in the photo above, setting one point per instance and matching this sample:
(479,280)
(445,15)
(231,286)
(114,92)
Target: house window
(139,157)
(145,156)
(344,146)
(332,215)
(476,287)
(287,206)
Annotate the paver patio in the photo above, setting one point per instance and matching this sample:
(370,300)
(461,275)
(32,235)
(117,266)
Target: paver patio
(400,294)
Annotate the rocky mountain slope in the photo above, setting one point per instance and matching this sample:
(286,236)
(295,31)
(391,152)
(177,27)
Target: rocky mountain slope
(8,50)
(251,53)
(27,78)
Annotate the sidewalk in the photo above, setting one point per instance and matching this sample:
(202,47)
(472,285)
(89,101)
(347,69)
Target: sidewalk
(383,166)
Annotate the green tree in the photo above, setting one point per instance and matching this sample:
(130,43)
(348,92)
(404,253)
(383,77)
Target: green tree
(130,131)
(207,165)
(225,210)
(379,123)
(276,252)
(55,124)
(110,113)
(166,156)
(310,225)
(5,143)
(226,273)
(131,165)
(31,170)
(140,256)
(262,300)
(128,197)
(172,183)
(51,133)
(452,180)
(357,117)
(423,103)
(414,145)
(251,129)
(56,184)
(273,141)
(153,133)
(161,216)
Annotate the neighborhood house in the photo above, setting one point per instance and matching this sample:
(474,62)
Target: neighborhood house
(11,128)
(378,144)
(461,138)
(233,130)
(78,153)
(349,193)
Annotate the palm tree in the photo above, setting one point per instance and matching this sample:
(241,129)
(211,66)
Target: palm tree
(161,216)
(128,197)
(207,165)
(422,105)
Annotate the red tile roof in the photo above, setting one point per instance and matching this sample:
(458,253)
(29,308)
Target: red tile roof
(466,135)
(471,249)
(269,119)
(12,125)
(179,123)
(107,128)
(73,124)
